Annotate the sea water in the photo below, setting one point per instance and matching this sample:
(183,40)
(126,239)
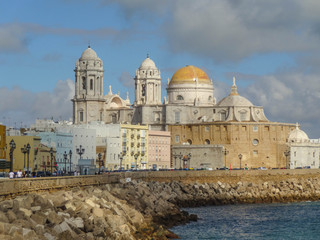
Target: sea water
(254,221)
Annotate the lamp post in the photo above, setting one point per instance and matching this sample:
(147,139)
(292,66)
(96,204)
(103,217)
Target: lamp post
(121,158)
(80,151)
(65,157)
(225,152)
(28,153)
(180,156)
(70,154)
(24,151)
(189,159)
(240,157)
(287,153)
(186,159)
(12,148)
(51,154)
(99,157)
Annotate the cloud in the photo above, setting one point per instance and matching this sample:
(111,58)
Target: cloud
(24,106)
(126,80)
(288,97)
(13,38)
(228,30)
(51,57)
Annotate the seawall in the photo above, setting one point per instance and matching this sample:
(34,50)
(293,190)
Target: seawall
(137,205)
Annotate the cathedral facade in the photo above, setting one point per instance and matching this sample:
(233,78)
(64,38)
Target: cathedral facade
(198,124)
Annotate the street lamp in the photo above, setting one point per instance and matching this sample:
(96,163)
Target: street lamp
(121,158)
(180,156)
(99,157)
(80,151)
(225,152)
(186,160)
(28,152)
(70,154)
(12,148)
(51,154)
(287,153)
(240,157)
(24,151)
(65,157)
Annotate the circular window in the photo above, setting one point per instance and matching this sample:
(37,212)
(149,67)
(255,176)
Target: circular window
(255,142)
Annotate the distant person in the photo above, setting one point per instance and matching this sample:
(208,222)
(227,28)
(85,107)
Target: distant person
(19,174)
(11,175)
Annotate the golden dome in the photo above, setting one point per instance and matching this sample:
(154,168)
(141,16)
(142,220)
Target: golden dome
(190,74)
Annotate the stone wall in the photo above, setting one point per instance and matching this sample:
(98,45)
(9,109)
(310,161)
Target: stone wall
(20,186)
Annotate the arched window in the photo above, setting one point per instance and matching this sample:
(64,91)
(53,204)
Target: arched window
(179,97)
(84,83)
(81,116)
(207,142)
(114,118)
(189,141)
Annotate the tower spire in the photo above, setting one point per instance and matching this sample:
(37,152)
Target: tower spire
(234,89)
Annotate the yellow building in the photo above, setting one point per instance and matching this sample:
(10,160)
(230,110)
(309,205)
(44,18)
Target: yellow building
(20,159)
(261,144)
(134,146)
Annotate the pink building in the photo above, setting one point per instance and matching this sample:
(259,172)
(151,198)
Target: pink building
(159,149)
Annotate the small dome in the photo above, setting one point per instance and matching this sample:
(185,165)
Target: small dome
(89,54)
(190,74)
(297,135)
(147,64)
(236,101)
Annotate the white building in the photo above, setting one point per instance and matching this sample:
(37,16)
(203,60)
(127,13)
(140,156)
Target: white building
(304,153)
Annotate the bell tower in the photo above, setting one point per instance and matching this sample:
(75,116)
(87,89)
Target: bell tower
(88,99)
(147,84)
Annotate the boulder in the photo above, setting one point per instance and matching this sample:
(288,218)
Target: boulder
(11,216)
(3,217)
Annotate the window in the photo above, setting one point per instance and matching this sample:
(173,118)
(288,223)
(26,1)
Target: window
(255,153)
(255,128)
(84,83)
(179,97)
(255,142)
(177,138)
(91,84)
(207,128)
(81,116)
(207,142)
(177,117)
(223,116)
(243,116)
(100,116)
(189,141)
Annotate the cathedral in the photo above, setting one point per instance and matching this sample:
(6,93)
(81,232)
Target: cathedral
(230,133)
(190,98)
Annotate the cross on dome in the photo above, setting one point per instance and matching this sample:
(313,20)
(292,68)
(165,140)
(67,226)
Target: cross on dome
(234,89)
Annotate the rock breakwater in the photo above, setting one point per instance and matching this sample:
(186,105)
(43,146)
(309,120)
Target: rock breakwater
(136,209)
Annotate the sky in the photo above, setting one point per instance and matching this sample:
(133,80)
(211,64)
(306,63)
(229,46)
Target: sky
(272,47)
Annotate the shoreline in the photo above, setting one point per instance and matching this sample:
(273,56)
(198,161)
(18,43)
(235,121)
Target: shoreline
(139,209)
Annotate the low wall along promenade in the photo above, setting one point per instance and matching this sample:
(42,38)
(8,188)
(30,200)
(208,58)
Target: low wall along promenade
(12,187)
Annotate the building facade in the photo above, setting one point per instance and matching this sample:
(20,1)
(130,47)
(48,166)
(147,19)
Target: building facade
(159,153)
(21,160)
(302,152)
